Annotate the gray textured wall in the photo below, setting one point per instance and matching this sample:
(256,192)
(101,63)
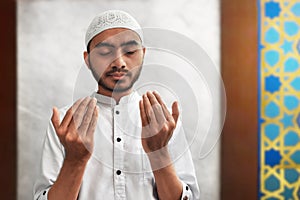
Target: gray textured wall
(50,46)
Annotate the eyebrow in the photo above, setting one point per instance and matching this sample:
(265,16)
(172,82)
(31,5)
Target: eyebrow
(129,43)
(106,44)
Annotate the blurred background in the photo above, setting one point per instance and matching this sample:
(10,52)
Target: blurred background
(254,44)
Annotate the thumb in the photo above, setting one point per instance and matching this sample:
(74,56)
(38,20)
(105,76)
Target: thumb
(175,111)
(55,118)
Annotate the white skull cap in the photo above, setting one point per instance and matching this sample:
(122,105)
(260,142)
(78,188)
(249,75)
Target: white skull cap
(112,19)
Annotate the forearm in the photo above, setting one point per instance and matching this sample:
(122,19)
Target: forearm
(68,182)
(76,133)
(168,185)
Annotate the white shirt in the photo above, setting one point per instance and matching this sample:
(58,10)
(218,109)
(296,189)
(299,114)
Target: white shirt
(118,168)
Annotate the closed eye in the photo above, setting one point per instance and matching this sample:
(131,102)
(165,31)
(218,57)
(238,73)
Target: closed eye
(130,52)
(104,53)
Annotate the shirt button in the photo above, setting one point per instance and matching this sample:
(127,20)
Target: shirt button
(118,172)
(117,112)
(118,139)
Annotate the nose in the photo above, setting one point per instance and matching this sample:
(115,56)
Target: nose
(119,62)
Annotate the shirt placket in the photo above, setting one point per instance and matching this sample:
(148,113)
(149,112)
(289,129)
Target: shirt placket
(119,175)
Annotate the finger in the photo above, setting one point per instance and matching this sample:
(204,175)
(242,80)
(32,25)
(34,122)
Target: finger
(87,117)
(93,124)
(55,118)
(159,114)
(69,115)
(143,115)
(79,113)
(148,110)
(159,99)
(175,111)
(167,114)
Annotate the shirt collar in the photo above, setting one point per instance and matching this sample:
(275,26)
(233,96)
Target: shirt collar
(132,97)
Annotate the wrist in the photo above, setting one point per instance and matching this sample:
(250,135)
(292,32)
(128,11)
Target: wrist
(159,159)
(76,162)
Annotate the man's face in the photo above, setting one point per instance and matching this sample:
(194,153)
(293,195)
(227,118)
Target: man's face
(115,59)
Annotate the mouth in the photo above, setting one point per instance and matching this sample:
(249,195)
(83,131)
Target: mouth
(117,75)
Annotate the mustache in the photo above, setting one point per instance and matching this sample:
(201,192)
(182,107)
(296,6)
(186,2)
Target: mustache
(119,70)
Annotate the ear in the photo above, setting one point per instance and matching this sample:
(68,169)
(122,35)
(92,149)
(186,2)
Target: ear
(86,59)
(144,51)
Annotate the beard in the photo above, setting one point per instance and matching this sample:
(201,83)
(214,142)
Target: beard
(133,76)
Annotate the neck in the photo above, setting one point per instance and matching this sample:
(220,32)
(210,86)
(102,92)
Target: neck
(115,95)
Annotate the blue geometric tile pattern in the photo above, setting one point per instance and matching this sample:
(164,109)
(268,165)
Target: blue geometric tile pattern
(291,139)
(272,9)
(272,83)
(272,36)
(272,57)
(272,183)
(296,157)
(279,99)
(291,102)
(288,193)
(287,120)
(291,28)
(296,83)
(272,110)
(287,46)
(291,65)
(273,157)
(296,9)
(271,131)
(291,175)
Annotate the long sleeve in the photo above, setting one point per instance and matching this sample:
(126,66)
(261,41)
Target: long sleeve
(183,164)
(50,165)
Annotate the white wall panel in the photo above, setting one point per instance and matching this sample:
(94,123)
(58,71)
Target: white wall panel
(50,46)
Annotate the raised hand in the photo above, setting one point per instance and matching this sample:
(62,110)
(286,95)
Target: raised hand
(76,131)
(158,124)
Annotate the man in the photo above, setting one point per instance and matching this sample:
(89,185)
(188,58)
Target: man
(116,144)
